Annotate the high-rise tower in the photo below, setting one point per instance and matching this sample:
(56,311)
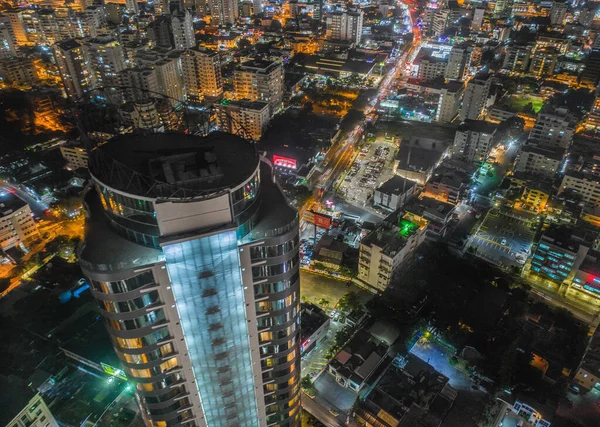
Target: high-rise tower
(192,253)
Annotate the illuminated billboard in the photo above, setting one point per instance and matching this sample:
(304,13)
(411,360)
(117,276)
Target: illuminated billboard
(115,372)
(285,162)
(320,220)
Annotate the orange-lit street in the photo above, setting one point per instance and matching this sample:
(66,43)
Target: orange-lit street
(48,231)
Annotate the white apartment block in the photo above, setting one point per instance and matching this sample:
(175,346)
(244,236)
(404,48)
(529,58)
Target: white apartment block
(439,21)
(182,26)
(473,140)
(475,99)
(224,11)
(555,129)
(477,21)
(167,66)
(201,74)
(383,250)
(587,186)
(260,81)
(75,156)
(543,161)
(107,60)
(459,62)
(449,103)
(16,223)
(35,414)
(94,17)
(139,83)
(345,25)
(431,67)
(8,43)
(248,119)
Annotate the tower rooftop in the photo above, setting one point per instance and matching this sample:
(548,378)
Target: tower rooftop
(174,165)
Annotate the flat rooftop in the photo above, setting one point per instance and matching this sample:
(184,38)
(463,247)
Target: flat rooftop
(9,203)
(560,236)
(554,153)
(429,208)
(158,164)
(396,185)
(419,154)
(449,177)
(393,233)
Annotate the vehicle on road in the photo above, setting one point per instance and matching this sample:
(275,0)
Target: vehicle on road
(503,242)
(333,412)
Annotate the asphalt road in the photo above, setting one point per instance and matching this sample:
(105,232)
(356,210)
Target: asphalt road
(585,408)
(37,206)
(320,411)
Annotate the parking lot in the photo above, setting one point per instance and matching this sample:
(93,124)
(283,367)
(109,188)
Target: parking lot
(371,168)
(307,241)
(504,238)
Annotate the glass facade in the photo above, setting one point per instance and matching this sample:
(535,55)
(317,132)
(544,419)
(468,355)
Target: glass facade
(127,207)
(212,302)
(243,197)
(206,281)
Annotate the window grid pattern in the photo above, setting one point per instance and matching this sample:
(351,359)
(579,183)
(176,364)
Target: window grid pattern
(207,284)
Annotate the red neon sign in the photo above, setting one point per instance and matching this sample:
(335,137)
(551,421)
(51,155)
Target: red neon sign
(285,162)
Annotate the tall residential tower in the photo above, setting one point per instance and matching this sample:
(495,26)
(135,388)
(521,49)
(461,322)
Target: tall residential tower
(192,253)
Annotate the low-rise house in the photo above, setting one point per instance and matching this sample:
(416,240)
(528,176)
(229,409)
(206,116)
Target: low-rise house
(355,363)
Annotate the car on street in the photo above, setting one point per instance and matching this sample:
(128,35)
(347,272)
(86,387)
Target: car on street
(333,412)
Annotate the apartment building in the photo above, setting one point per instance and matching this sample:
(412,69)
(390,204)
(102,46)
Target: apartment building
(182,27)
(475,99)
(473,140)
(16,222)
(346,25)
(586,185)
(248,119)
(555,128)
(260,80)
(383,250)
(75,156)
(224,11)
(459,61)
(167,65)
(517,58)
(107,60)
(75,67)
(431,67)
(21,407)
(211,336)
(201,70)
(139,83)
(540,160)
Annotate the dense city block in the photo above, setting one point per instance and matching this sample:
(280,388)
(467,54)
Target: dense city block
(285,213)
